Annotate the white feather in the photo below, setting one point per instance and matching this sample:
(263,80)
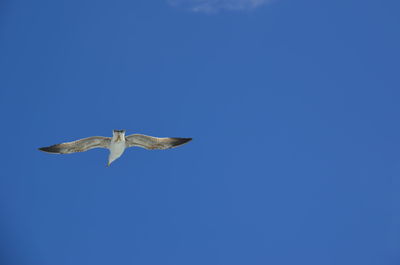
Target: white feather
(117,148)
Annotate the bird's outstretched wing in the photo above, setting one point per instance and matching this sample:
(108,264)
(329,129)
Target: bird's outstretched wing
(79,145)
(150,142)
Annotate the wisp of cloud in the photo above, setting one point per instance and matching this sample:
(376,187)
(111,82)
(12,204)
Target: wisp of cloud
(213,6)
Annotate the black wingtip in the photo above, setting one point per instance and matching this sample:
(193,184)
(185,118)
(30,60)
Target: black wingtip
(49,149)
(181,141)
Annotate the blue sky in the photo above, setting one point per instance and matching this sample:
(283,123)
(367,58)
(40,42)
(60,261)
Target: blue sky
(293,107)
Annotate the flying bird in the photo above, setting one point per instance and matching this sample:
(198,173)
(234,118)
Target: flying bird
(116,144)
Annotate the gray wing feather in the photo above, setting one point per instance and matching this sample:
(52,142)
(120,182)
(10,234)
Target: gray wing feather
(79,145)
(150,142)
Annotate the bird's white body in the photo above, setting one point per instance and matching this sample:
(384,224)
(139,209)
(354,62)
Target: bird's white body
(117,147)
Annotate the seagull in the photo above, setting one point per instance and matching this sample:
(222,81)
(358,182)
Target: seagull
(116,144)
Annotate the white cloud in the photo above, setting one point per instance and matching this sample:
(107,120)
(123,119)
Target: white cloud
(213,6)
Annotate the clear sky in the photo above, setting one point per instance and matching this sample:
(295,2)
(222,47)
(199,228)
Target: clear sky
(293,107)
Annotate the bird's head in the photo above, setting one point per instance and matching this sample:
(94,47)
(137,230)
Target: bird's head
(118,135)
